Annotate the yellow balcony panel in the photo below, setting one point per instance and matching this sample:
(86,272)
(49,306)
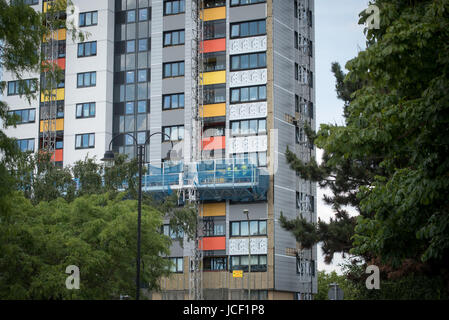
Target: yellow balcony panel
(214,77)
(53,125)
(214,110)
(60,34)
(215,13)
(60,95)
(214,209)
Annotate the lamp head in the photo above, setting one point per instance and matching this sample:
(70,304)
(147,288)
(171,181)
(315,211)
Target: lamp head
(108,158)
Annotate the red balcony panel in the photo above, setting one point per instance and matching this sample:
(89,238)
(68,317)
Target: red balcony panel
(214,143)
(61,63)
(214,45)
(213,243)
(57,156)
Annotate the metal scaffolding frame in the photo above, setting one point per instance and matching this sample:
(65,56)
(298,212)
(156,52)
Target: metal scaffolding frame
(49,76)
(196,258)
(306,96)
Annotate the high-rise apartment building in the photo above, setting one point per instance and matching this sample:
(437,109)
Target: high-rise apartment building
(230,99)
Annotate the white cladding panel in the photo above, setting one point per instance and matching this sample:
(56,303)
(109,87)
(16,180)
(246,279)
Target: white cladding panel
(248,78)
(246,45)
(248,144)
(247,111)
(240,246)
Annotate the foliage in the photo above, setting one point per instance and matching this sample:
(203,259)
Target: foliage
(324,281)
(390,159)
(93,232)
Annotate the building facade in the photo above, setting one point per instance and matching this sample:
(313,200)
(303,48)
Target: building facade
(133,74)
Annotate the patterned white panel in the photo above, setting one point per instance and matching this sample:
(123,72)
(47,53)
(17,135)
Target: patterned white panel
(248,78)
(245,45)
(248,144)
(248,111)
(240,246)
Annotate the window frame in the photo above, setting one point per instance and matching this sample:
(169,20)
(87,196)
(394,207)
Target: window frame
(171,10)
(83,44)
(239,36)
(89,146)
(90,76)
(246,4)
(13,113)
(164,137)
(92,15)
(92,105)
(239,222)
(170,96)
(171,32)
(178,64)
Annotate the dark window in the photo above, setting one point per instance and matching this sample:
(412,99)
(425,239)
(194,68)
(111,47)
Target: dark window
(87,49)
(249,61)
(85,141)
(258,159)
(173,69)
(61,49)
(214,3)
(174,132)
(85,110)
(214,29)
(143,14)
(88,19)
(174,38)
(20,86)
(131,16)
(23,116)
(169,232)
(173,101)
(213,228)
(86,79)
(214,93)
(248,29)
(174,7)
(248,94)
(215,263)
(176,265)
(214,61)
(235,3)
(258,263)
(26,145)
(253,228)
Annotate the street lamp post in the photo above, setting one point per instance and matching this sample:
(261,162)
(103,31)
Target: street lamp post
(109,157)
(246,212)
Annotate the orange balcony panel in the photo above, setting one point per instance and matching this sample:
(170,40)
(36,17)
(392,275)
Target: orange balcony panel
(57,156)
(213,243)
(215,45)
(61,63)
(214,143)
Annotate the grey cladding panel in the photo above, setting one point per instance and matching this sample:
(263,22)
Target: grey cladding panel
(175,53)
(173,117)
(256,211)
(245,13)
(174,22)
(174,85)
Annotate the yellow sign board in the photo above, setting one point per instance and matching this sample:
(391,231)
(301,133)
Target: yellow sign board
(237,273)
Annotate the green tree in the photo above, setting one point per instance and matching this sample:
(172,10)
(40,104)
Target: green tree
(390,159)
(324,281)
(93,232)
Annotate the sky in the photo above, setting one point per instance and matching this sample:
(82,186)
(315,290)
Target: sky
(338,38)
